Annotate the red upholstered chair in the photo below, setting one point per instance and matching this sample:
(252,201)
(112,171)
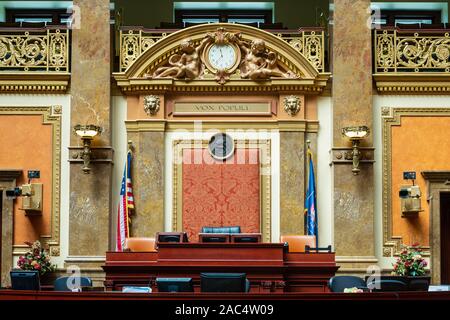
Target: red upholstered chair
(138,244)
(297,243)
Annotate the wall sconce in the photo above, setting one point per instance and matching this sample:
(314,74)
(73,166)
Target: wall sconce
(355,135)
(87,133)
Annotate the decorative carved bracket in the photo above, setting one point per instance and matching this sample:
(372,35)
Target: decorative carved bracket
(345,156)
(99,154)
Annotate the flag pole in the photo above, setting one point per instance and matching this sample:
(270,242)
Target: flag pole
(130,150)
(305,215)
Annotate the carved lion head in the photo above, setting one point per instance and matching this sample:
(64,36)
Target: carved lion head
(151,105)
(292,105)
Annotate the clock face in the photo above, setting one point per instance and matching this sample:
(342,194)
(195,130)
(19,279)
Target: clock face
(221,146)
(222,56)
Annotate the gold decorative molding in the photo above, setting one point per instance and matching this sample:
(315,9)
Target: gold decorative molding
(407,83)
(392,117)
(34,60)
(265,183)
(310,42)
(170,125)
(43,49)
(412,61)
(135,76)
(135,42)
(34,82)
(144,86)
(50,116)
(145,125)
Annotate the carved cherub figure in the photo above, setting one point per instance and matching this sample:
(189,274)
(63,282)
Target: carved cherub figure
(257,63)
(187,65)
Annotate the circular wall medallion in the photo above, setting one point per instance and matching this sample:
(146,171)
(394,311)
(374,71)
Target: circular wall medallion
(221,146)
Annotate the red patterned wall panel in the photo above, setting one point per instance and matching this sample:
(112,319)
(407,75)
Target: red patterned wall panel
(217,193)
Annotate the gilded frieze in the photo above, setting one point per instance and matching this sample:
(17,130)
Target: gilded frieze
(411,61)
(221,58)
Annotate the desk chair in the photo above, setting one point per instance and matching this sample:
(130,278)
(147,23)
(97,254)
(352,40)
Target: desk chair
(137,244)
(61,284)
(297,243)
(339,283)
(389,286)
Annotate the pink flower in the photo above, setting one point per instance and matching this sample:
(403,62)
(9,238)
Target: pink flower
(37,267)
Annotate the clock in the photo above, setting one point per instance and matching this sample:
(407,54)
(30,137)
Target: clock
(221,146)
(222,57)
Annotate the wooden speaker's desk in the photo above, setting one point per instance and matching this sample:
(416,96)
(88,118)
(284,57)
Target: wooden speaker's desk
(212,296)
(269,267)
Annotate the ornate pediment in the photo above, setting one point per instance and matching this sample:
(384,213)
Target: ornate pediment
(221,55)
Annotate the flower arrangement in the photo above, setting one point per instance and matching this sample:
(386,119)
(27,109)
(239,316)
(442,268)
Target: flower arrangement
(410,262)
(36,259)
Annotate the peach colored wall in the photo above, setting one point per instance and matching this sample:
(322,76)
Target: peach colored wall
(310,108)
(217,193)
(26,144)
(419,144)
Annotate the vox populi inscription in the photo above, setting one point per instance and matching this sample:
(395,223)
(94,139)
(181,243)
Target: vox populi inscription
(222,109)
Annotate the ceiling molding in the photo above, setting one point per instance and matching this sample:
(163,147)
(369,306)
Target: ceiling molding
(34,82)
(412,83)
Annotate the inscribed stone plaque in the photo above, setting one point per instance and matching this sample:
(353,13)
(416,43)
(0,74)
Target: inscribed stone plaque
(222,109)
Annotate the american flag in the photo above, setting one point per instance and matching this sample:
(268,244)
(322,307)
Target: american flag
(126,205)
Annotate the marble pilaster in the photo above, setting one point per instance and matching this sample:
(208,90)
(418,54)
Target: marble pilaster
(292,182)
(148,183)
(352,105)
(90,194)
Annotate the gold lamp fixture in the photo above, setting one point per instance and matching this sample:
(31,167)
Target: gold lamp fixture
(355,135)
(87,133)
